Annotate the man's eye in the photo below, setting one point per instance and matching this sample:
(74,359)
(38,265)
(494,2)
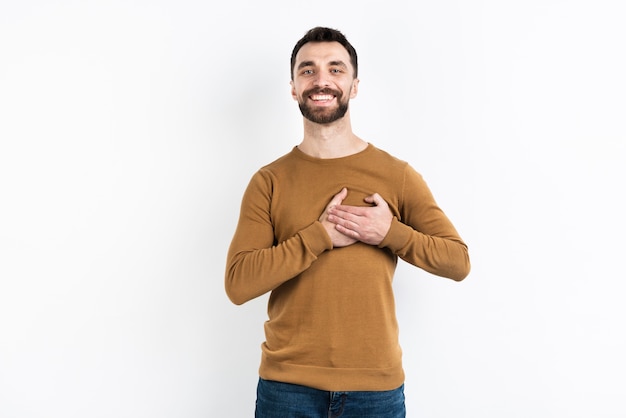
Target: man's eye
(307,72)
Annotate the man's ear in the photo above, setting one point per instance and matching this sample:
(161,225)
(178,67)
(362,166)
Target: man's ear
(293,90)
(355,88)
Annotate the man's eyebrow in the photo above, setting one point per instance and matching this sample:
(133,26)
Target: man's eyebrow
(338,63)
(305,64)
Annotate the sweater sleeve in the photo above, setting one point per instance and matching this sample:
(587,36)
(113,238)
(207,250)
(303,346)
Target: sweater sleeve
(423,235)
(256,263)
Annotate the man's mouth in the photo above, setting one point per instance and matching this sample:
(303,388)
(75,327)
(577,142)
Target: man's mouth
(321,97)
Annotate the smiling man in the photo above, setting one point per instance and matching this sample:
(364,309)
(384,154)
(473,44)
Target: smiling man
(322,228)
(321,103)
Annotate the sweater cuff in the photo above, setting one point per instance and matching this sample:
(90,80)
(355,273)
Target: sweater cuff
(316,238)
(397,236)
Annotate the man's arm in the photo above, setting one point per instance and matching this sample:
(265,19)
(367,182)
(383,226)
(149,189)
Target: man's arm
(255,263)
(423,236)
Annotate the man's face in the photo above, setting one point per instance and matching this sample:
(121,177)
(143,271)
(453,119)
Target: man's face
(323,81)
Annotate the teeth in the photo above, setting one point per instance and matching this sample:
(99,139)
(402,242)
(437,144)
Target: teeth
(322,97)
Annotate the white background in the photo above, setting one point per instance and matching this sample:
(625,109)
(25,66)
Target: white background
(129,131)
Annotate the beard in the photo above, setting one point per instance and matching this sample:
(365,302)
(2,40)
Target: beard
(323,115)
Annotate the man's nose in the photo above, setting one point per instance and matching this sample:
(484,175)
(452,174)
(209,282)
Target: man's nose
(321,80)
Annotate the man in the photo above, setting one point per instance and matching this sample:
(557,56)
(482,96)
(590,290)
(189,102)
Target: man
(321,228)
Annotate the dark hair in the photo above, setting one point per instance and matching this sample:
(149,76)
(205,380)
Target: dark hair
(321,34)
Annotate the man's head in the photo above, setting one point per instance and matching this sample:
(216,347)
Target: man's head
(321,34)
(323,75)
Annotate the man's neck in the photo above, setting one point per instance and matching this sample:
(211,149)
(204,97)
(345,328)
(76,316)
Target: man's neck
(334,140)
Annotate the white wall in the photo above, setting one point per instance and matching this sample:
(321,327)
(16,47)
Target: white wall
(130,129)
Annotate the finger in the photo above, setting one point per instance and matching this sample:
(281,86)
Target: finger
(338,198)
(376,199)
(346,231)
(347,211)
(343,218)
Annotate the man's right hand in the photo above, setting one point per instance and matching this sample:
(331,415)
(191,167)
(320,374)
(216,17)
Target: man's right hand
(338,239)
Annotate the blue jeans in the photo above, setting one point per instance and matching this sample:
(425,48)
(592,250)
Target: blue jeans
(285,400)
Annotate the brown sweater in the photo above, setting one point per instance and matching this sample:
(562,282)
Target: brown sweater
(332,322)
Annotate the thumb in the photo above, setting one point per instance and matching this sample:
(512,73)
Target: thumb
(375,199)
(338,198)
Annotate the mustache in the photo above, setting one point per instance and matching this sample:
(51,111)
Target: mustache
(324,90)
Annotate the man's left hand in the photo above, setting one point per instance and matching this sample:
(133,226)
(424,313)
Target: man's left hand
(368,224)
